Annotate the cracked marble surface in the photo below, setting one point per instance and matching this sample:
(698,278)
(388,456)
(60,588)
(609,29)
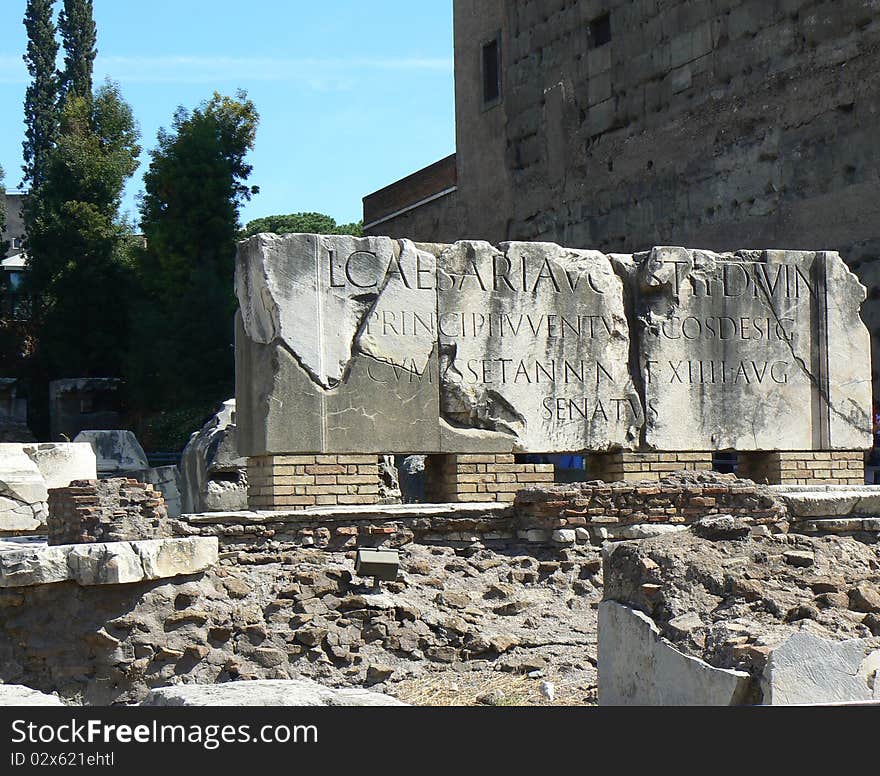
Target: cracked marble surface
(371,344)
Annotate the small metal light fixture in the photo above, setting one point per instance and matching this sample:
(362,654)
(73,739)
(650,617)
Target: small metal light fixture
(379,564)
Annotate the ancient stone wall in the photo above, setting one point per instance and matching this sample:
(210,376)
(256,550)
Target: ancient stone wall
(631,510)
(111,510)
(541,514)
(306,614)
(482,589)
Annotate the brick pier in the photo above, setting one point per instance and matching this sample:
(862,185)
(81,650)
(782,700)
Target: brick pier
(838,467)
(623,466)
(481,477)
(300,481)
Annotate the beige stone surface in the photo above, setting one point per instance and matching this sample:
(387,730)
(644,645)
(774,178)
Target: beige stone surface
(349,345)
(534,346)
(104,563)
(738,351)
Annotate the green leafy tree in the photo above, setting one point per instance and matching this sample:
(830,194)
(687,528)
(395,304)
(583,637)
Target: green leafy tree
(308,223)
(194,188)
(41,115)
(79,260)
(80,36)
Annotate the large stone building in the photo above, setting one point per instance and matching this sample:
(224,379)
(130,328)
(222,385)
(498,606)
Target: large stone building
(622,124)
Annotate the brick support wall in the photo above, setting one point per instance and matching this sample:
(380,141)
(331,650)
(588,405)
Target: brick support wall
(633,467)
(481,477)
(616,510)
(839,467)
(112,510)
(300,481)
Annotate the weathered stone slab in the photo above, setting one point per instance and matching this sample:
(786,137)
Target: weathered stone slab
(106,563)
(334,339)
(23,491)
(116,451)
(534,347)
(61,463)
(810,669)
(370,345)
(266,692)
(20,479)
(637,667)
(37,565)
(19,695)
(833,503)
(736,350)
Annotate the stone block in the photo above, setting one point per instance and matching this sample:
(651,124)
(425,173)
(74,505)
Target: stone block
(266,692)
(637,667)
(23,492)
(106,563)
(808,669)
(741,344)
(19,695)
(116,451)
(62,462)
(525,347)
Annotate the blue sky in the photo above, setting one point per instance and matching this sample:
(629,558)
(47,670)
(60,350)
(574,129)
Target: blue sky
(352,94)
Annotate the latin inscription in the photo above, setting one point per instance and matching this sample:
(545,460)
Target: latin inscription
(509,321)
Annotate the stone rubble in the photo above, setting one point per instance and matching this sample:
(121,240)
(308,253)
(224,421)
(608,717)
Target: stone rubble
(470,610)
(736,600)
(19,695)
(214,475)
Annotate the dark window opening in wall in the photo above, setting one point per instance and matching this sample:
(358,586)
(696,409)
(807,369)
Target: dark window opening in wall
(600,30)
(491,66)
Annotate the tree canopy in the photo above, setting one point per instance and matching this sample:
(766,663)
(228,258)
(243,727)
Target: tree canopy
(41,112)
(195,185)
(309,223)
(76,240)
(79,36)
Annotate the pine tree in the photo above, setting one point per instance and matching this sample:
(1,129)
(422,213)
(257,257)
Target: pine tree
(41,113)
(79,36)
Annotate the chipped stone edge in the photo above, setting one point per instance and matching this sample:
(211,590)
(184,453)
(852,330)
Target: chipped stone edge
(126,562)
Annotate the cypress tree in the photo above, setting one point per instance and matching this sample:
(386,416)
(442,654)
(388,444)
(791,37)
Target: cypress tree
(79,36)
(41,114)
(77,241)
